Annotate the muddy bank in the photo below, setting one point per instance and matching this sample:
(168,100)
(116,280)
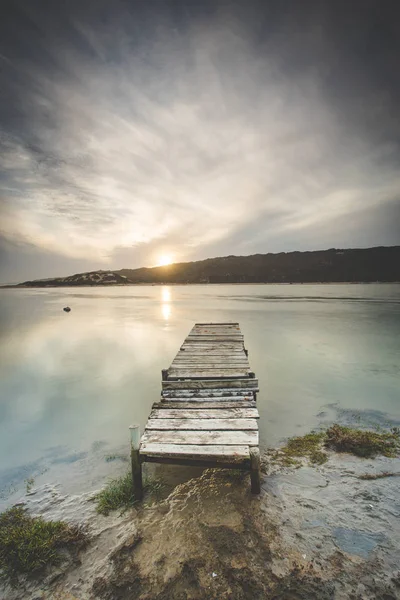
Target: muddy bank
(314,532)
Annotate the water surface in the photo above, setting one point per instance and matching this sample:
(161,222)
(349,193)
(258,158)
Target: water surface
(71,384)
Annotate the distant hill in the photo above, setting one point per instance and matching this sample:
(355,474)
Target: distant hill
(323,266)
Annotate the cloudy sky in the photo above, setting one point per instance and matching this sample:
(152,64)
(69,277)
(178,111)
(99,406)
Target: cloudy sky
(135,130)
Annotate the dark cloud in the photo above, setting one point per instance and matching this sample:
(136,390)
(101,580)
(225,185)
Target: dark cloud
(132,129)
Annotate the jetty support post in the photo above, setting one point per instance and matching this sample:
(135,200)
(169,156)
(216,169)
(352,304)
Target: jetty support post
(255,470)
(136,463)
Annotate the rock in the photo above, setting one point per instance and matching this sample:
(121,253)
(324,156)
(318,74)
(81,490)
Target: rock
(66,309)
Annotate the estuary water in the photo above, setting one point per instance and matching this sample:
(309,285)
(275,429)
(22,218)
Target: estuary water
(72,383)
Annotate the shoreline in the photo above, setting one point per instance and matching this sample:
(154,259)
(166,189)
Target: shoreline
(319,531)
(124,285)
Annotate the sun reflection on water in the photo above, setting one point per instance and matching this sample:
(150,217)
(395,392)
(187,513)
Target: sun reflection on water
(165,303)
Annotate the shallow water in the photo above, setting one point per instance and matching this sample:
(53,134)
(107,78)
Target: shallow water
(71,384)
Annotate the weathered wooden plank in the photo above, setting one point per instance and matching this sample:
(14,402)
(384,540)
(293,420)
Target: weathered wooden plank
(219,370)
(214,349)
(208,357)
(198,384)
(202,424)
(211,358)
(228,394)
(200,339)
(203,343)
(207,373)
(193,366)
(198,404)
(208,366)
(196,352)
(234,453)
(222,348)
(216,324)
(192,349)
(224,438)
(203,339)
(206,413)
(216,328)
(223,367)
(197,347)
(211,355)
(215,332)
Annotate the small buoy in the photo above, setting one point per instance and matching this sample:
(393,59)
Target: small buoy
(67,309)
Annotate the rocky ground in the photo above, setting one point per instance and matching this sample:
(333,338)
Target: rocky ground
(314,532)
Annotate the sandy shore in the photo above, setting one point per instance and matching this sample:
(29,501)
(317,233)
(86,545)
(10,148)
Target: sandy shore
(312,533)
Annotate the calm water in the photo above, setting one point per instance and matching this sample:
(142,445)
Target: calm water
(70,384)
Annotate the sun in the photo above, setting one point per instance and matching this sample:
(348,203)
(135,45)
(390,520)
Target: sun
(164,260)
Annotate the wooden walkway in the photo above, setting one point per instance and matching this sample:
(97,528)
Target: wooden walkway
(207,414)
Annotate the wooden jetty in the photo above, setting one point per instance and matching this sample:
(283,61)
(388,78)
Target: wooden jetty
(207,414)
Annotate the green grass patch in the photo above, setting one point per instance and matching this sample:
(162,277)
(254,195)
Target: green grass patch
(363,443)
(360,442)
(118,494)
(155,488)
(307,446)
(30,544)
(317,457)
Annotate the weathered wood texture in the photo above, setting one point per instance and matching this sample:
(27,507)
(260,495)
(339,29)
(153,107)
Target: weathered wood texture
(199,404)
(222,394)
(202,424)
(255,470)
(207,414)
(204,413)
(215,453)
(206,372)
(198,384)
(208,438)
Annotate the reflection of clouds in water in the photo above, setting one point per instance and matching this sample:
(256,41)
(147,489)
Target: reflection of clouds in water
(53,345)
(72,380)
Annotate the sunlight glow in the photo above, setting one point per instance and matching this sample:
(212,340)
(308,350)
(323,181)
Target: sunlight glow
(166,294)
(165,302)
(164,260)
(166,311)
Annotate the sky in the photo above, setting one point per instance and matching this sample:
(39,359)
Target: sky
(136,132)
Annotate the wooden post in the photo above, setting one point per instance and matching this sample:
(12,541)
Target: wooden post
(136,463)
(255,470)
